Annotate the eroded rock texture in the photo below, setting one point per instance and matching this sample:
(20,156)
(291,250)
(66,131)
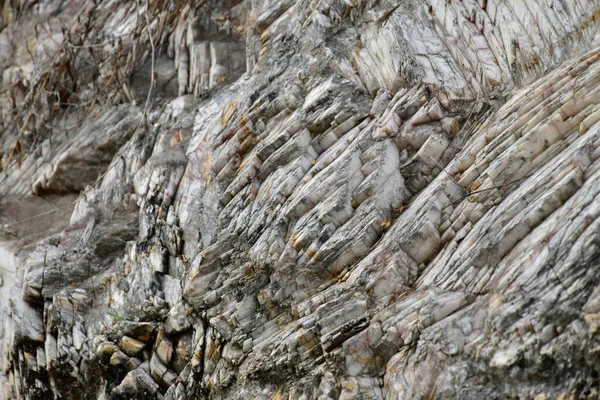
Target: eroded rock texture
(300,199)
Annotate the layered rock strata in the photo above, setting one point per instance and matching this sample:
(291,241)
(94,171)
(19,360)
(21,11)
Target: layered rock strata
(300,199)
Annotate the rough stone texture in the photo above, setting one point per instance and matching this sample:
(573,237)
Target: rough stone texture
(300,199)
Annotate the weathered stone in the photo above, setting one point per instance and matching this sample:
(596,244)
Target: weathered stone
(183,353)
(137,384)
(131,346)
(142,331)
(133,363)
(119,358)
(164,350)
(177,320)
(159,259)
(161,374)
(291,199)
(106,348)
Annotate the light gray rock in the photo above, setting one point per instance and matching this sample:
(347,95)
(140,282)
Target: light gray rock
(293,199)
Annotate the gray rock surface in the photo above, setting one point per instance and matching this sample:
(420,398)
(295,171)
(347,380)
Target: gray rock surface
(300,199)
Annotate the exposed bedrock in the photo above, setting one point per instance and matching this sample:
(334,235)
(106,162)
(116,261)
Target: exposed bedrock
(300,199)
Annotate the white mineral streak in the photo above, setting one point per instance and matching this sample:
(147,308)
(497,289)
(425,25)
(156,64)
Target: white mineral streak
(353,199)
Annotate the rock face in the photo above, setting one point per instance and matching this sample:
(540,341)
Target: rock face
(300,199)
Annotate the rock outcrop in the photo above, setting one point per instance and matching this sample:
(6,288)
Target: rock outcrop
(300,199)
